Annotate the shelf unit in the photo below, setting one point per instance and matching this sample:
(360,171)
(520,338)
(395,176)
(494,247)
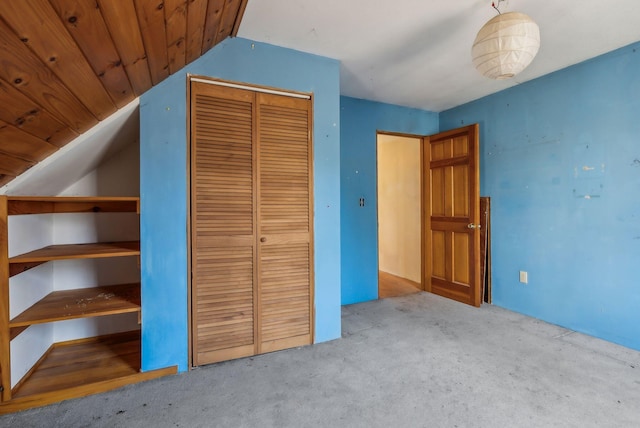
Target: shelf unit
(79,367)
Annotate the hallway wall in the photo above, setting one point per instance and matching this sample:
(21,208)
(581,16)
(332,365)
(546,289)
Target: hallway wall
(399,221)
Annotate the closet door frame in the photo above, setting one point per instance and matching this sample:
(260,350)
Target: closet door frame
(256,88)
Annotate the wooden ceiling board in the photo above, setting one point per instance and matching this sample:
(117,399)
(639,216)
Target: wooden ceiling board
(87,27)
(11,167)
(154,36)
(19,110)
(175,16)
(196,18)
(66,64)
(28,74)
(215,9)
(25,146)
(55,47)
(227,23)
(122,21)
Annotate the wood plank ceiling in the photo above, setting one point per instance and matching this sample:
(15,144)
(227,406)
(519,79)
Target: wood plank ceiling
(67,64)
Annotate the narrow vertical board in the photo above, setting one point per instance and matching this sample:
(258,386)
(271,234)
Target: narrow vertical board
(175,16)
(54,46)
(215,10)
(227,23)
(236,24)
(84,22)
(29,75)
(196,16)
(28,116)
(152,28)
(122,22)
(5,359)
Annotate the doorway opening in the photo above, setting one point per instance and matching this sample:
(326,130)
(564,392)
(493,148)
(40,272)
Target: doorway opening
(399,184)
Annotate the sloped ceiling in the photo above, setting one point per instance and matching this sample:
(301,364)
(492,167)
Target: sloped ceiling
(65,65)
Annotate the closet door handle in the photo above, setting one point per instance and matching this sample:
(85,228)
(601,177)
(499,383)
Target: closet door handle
(263,239)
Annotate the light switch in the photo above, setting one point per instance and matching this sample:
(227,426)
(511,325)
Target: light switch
(524,277)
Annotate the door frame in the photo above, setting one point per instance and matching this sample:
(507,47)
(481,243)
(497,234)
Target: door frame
(424,140)
(189,160)
(422,219)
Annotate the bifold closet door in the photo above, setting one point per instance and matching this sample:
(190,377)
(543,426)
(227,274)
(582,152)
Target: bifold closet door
(251,222)
(284,222)
(222,223)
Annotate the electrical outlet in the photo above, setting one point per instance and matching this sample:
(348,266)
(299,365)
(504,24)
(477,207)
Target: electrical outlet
(524,277)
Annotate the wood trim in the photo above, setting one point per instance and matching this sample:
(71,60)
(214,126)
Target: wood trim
(249,87)
(474,171)
(236,24)
(312,259)
(274,236)
(257,306)
(5,355)
(424,199)
(426,217)
(485,250)
(190,160)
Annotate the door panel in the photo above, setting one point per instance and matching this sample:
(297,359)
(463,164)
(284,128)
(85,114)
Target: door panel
(251,222)
(452,215)
(222,224)
(284,218)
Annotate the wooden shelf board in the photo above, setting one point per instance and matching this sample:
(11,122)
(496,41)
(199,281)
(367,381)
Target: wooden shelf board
(15,331)
(80,368)
(71,204)
(78,251)
(81,303)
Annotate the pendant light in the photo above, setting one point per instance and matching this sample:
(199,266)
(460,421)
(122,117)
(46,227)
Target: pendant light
(505,45)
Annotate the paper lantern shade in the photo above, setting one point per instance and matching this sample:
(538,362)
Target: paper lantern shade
(505,45)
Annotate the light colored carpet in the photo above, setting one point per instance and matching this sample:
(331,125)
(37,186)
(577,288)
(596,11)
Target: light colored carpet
(413,361)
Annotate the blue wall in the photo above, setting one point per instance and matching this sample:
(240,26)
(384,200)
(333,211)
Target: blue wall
(360,120)
(561,163)
(163,188)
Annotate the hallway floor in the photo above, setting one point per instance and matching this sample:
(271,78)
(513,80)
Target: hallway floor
(412,361)
(394,286)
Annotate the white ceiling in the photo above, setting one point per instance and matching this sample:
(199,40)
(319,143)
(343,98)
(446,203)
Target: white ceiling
(417,53)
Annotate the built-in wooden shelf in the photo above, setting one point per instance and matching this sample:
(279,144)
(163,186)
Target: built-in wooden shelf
(79,303)
(17,205)
(26,261)
(80,368)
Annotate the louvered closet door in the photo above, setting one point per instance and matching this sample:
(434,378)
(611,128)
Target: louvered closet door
(223,223)
(284,222)
(251,219)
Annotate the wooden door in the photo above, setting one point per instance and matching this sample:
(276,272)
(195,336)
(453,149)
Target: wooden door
(452,215)
(222,223)
(285,214)
(251,222)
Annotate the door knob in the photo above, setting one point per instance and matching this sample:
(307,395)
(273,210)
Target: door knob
(263,239)
(473,226)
